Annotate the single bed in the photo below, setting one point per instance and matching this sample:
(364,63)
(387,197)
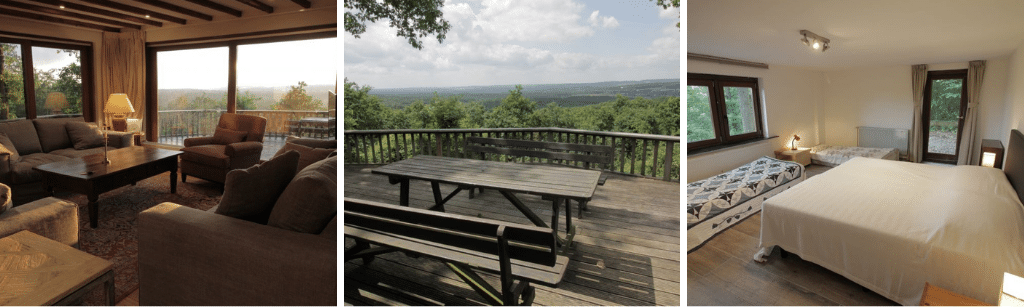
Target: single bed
(892,226)
(715,203)
(832,155)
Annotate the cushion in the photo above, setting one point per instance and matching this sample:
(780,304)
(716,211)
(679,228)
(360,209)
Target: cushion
(212,155)
(22,171)
(6,146)
(307,155)
(331,231)
(23,135)
(227,136)
(5,198)
(314,143)
(310,201)
(52,132)
(84,135)
(250,194)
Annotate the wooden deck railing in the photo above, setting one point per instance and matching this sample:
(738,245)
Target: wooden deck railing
(646,155)
(180,124)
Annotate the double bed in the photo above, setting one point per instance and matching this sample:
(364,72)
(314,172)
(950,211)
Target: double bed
(833,155)
(892,226)
(716,203)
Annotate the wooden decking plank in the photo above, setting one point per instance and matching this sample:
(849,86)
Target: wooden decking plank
(519,184)
(534,173)
(621,257)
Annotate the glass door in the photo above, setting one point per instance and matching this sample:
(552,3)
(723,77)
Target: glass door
(945,103)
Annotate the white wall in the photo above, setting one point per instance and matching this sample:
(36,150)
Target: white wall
(791,97)
(882,97)
(1014,101)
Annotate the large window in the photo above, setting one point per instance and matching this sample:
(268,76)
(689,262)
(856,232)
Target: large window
(43,79)
(193,87)
(721,110)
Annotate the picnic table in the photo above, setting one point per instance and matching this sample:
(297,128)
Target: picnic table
(557,184)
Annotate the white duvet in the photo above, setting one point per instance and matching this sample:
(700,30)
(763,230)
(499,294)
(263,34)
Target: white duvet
(892,226)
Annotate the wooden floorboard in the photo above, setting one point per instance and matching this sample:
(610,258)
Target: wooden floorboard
(723,272)
(626,252)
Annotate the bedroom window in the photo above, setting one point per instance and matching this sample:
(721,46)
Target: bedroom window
(721,110)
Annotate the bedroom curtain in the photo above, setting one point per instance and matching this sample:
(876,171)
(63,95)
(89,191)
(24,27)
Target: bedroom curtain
(919,74)
(975,74)
(123,70)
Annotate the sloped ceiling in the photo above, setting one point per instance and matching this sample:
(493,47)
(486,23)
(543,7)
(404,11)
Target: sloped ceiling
(862,32)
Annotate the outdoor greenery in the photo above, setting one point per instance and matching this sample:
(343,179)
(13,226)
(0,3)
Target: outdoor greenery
(295,99)
(67,80)
(364,111)
(413,19)
(945,104)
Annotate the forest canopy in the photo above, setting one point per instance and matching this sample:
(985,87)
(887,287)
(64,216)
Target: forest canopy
(636,115)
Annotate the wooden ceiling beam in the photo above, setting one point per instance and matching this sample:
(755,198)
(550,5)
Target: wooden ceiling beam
(97,11)
(176,9)
(52,19)
(135,10)
(217,6)
(303,3)
(65,13)
(258,5)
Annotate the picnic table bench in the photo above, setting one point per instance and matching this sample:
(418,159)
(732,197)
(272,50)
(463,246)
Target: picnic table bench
(464,243)
(598,154)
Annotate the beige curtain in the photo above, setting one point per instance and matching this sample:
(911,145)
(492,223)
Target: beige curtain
(919,74)
(123,70)
(975,74)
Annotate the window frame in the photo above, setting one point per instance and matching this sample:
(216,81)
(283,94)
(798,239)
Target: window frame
(926,110)
(28,73)
(719,111)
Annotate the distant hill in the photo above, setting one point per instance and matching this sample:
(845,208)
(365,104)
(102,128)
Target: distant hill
(269,95)
(565,94)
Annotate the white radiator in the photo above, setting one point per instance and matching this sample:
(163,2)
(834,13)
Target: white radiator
(884,138)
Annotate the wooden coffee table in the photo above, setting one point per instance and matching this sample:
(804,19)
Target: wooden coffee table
(90,176)
(37,271)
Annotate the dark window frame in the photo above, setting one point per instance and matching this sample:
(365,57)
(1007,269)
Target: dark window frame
(28,71)
(719,115)
(926,114)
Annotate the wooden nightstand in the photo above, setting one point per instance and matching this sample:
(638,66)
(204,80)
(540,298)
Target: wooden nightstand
(935,296)
(802,156)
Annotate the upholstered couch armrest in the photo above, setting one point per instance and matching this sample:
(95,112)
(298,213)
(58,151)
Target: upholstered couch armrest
(198,141)
(5,168)
(119,139)
(193,257)
(48,217)
(242,149)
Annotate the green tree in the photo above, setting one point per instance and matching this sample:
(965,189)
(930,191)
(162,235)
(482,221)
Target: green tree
(246,100)
(12,85)
(474,113)
(553,115)
(364,111)
(665,4)
(203,101)
(514,111)
(699,124)
(298,99)
(446,113)
(412,18)
(417,115)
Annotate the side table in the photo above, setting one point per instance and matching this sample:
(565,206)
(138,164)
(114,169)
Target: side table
(41,271)
(802,156)
(936,296)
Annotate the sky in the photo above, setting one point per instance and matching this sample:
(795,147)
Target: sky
(498,42)
(259,65)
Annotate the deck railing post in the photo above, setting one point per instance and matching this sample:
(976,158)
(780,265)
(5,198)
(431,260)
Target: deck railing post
(668,160)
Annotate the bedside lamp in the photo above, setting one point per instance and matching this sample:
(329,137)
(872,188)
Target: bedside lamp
(992,153)
(56,102)
(118,106)
(792,145)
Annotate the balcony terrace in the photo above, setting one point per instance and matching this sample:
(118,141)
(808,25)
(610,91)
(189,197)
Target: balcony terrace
(627,244)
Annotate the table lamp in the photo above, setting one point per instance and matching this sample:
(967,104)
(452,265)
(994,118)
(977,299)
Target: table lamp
(56,102)
(793,143)
(118,106)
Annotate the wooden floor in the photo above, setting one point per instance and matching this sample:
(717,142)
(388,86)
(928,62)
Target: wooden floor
(723,272)
(627,247)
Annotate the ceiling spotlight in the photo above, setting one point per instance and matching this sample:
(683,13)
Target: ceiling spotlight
(147,15)
(62,6)
(815,41)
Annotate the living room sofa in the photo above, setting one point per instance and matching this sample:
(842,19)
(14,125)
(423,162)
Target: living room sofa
(53,218)
(193,257)
(41,141)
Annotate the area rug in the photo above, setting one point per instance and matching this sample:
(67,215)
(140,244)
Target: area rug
(116,238)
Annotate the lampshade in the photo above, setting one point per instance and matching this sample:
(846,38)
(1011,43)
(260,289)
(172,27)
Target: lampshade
(118,104)
(793,143)
(56,101)
(988,159)
(1011,292)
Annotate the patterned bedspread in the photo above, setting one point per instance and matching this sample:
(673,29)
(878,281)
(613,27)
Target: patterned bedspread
(830,155)
(710,197)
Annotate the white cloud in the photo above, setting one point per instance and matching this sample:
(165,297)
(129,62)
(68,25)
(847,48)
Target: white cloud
(607,22)
(670,13)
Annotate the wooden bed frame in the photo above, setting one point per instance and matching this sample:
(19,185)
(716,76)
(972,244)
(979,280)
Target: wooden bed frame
(1014,164)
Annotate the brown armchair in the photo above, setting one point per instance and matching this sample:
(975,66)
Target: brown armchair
(206,159)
